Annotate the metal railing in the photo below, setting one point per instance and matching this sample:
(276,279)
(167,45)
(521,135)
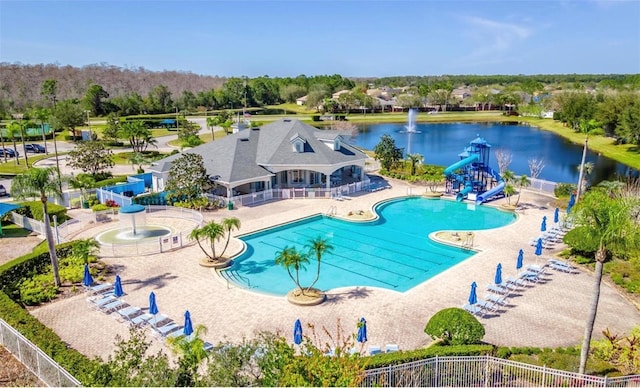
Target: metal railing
(295,193)
(484,371)
(161,244)
(40,364)
(542,186)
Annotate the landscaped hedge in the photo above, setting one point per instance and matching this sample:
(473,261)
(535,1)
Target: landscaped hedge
(33,209)
(111,181)
(13,272)
(76,363)
(395,358)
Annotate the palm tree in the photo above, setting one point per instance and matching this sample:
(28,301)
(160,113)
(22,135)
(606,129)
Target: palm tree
(586,127)
(508,176)
(82,182)
(84,248)
(414,159)
(318,247)
(191,352)
(523,181)
(290,258)
(509,190)
(42,114)
(607,218)
(13,129)
(41,181)
(229,225)
(212,232)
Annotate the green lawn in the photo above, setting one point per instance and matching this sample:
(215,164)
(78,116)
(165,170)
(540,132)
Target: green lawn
(627,154)
(11,168)
(150,156)
(204,137)
(13,230)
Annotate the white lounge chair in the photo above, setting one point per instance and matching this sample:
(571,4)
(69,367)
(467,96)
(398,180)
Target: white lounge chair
(496,299)
(516,282)
(390,348)
(473,309)
(374,349)
(486,305)
(128,313)
(167,329)
(141,320)
(497,290)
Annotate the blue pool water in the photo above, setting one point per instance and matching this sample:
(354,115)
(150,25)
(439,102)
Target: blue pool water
(393,252)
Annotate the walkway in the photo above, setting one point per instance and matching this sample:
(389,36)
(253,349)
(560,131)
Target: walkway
(545,315)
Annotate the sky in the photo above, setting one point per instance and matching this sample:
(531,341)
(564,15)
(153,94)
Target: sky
(353,38)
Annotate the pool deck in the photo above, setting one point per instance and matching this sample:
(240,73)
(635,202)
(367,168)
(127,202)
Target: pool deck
(549,314)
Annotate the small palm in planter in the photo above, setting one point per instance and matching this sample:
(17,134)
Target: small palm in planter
(213,232)
(294,261)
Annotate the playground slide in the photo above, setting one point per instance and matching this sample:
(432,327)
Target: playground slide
(463,193)
(490,193)
(449,170)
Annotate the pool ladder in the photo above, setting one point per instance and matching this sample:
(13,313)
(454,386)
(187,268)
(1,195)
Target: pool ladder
(332,211)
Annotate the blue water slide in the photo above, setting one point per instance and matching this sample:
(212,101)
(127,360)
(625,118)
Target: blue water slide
(490,193)
(463,193)
(449,170)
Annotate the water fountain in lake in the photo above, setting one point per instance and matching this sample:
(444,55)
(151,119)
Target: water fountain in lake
(133,228)
(411,127)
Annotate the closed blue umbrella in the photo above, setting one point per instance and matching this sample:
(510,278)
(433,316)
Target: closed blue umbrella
(362,331)
(188,326)
(117,287)
(87,280)
(520,259)
(473,298)
(538,251)
(498,278)
(572,201)
(543,226)
(153,306)
(556,216)
(297,332)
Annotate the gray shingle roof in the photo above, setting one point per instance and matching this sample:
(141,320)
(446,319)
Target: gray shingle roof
(248,154)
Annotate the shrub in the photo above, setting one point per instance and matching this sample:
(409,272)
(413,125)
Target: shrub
(37,262)
(38,289)
(455,326)
(395,358)
(99,207)
(111,181)
(564,190)
(35,211)
(79,365)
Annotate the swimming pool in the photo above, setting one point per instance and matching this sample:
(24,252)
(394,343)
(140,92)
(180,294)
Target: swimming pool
(393,252)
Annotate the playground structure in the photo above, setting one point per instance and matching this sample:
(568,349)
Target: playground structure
(471,177)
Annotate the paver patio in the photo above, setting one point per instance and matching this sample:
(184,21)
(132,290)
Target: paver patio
(544,315)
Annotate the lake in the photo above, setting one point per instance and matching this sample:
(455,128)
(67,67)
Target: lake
(441,143)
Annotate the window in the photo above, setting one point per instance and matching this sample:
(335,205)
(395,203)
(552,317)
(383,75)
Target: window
(297,176)
(299,146)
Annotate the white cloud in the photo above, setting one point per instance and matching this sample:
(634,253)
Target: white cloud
(492,39)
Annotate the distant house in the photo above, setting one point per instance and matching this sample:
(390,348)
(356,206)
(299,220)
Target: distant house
(460,94)
(337,95)
(283,154)
(301,101)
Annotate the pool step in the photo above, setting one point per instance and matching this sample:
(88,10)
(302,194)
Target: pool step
(233,276)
